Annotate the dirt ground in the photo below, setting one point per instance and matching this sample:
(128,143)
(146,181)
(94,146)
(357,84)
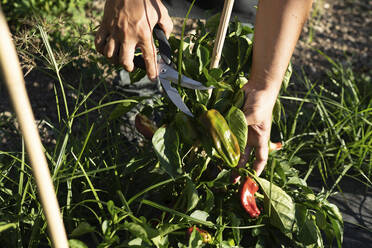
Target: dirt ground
(341,29)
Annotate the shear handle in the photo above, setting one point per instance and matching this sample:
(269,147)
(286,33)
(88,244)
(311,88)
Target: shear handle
(164,49)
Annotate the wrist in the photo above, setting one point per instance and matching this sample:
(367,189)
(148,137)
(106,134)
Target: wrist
(260,95)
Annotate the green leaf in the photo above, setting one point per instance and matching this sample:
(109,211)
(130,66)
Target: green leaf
(191,194)
(166,144)
(121,109)
(238,125)
(216,73)
(208,204)
(301,215)
(236,52)
(182,215)
(321,219)
(111,207)
(333,210)
(203,55)
(191,66)
(280,203)
(136,75)
(222,180)
(202,96)
(213,22)
(143,231)
(287,77)
(244,51)
(196,240)
(277,111)
(161,241)
(4,226)
(308,234)
(235,221)
(338,231)
(169,228)
(230,54)
(82,228)
(210,78)
(135,243)
(74,243)
(200,215)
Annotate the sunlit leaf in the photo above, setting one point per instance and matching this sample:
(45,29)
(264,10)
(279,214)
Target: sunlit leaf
(166,143)
(74,243)
(82,228)
(280,203)
(191,195)
(200,215)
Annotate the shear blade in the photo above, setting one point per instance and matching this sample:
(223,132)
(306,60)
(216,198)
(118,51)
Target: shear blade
(175,97)
(168,73)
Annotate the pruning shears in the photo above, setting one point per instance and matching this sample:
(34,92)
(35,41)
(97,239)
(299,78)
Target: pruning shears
(167,74)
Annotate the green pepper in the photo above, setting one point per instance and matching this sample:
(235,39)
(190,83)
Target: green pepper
(221,137)
(186,128)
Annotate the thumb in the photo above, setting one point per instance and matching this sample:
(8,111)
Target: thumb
(261,154)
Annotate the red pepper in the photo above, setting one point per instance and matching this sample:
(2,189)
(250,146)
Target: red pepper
(247,197)
(275,146)
(145,126)
(207,238)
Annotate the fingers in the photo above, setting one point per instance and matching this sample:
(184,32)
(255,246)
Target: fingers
(126,55)
(244,157)
(111,48)
(149,55)
(100,39)
(166,25)
(262,154)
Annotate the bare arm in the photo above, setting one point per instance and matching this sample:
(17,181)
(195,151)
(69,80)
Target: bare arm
(277,29)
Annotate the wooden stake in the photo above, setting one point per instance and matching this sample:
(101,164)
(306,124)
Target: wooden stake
(221,33)
(13,77)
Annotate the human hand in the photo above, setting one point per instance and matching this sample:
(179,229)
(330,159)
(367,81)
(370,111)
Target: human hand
(128,24)
(258,107)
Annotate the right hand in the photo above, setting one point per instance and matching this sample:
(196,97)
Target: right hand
(128,24)
(258,109)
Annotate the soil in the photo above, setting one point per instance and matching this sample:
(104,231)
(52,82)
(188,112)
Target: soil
(341,29)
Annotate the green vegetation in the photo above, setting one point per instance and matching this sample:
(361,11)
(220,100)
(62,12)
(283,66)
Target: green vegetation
(119,190)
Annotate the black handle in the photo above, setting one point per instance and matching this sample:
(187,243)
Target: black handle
(164,49)
(164,46)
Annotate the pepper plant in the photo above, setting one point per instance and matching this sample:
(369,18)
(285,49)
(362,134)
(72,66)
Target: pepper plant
(180,187)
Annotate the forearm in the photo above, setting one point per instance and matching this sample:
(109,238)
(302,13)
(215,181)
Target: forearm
(277,29)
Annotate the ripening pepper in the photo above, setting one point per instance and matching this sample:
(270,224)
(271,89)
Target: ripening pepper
(207,238)
(275,146)
(186,128)
(221,137)
(247,198)
(144,126)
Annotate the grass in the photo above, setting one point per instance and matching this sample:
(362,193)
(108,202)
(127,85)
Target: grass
(333,119)
(102,172)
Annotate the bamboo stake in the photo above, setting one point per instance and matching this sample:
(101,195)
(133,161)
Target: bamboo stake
(13,77)
(221,33)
